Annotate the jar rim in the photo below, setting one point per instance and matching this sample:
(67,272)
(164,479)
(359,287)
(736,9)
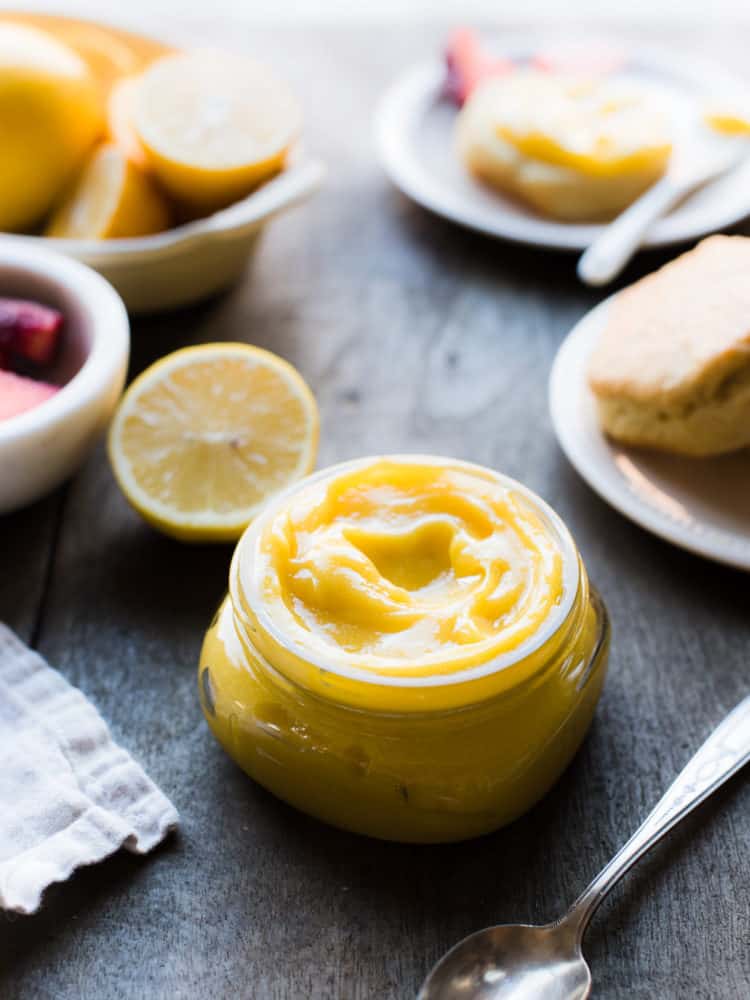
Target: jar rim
(570,567)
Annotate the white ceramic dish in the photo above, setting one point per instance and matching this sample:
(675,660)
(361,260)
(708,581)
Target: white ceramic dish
(414,130)
(42,447)
(702,505)
(190,262)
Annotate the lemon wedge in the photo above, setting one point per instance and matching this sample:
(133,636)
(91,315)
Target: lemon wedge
(213,125)
(50,116)
(112,198)
(206,435)
(120,120)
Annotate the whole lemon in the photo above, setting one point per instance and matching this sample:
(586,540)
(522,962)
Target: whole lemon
(50,115)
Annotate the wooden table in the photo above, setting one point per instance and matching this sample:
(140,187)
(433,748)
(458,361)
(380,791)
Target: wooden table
(415,336)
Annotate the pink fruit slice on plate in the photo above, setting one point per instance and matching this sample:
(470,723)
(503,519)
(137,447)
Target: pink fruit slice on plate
(467,64)
(19,394)
(28,330)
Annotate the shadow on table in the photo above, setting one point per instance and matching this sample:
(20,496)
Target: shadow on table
(460,249)
(641,887)
(90,891)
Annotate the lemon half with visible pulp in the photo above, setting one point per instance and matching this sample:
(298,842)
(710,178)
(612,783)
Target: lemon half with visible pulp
(204,437)
(213,125)
(112,198)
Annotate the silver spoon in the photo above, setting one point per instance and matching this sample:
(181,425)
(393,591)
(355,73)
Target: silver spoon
(524,962)
(701,158)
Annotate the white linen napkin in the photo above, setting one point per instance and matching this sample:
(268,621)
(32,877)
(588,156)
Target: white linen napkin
(69,795)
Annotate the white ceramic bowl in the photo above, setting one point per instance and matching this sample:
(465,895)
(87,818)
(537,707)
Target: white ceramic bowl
(40,448)
(190,262)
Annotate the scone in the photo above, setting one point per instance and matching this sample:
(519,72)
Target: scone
(573,149)
(672,368)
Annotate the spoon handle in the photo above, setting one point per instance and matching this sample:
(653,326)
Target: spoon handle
(725,751)
(610,252)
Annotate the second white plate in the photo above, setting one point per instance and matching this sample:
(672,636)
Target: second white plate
(702,505)
(414,130)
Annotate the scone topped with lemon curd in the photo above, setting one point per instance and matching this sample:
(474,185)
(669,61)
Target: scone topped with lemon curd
(572,148)
(672,368)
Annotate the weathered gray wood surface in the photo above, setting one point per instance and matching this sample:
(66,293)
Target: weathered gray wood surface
(415,336)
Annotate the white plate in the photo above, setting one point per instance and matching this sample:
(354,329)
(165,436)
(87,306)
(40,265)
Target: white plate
(414,130)
(702,505)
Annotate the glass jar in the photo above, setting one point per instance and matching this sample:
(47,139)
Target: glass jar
(404,755)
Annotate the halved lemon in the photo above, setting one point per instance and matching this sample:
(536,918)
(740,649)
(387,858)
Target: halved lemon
(204,437)
(213,125)
(112,198)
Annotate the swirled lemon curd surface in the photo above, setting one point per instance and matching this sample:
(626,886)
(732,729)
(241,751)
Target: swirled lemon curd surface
(407,568)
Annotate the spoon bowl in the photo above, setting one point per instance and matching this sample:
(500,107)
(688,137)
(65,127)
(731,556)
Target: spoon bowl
(512,960)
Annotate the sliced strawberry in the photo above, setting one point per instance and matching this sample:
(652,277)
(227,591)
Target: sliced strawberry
(29,330)
(19,394)
(467,64)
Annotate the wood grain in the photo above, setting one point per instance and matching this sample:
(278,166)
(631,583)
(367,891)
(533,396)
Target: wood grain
(415,337)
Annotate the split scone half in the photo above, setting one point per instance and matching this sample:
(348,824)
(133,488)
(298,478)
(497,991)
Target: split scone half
(570,148)
(672,367)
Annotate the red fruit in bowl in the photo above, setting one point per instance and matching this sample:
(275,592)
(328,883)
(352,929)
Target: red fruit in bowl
(467,64)
(28,330)
(19,394)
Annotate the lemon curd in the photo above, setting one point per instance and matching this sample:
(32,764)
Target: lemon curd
(731,119)
(585,125)
(409,649)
